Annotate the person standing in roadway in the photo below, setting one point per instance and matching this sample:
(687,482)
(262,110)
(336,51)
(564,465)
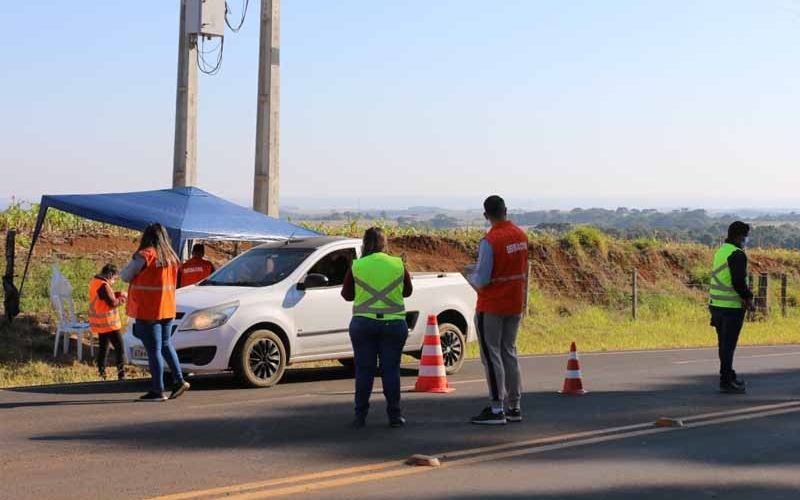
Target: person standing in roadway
(152,274)
(377,284)
(730,297)
(500,278)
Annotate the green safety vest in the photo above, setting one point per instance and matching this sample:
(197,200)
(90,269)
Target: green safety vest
(721,292)
(379,287)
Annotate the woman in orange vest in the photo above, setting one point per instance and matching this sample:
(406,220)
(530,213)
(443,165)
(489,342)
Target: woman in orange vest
(153,275)
(104,319)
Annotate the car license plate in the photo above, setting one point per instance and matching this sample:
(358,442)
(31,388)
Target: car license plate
(139,353)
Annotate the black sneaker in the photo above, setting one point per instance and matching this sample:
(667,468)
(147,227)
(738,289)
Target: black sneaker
(179,389)
(153,397)
(514,415)
(732,388)
(397,422)
(359,421)
(488,417)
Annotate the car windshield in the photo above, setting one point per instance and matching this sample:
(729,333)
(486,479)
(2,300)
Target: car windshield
(259,267)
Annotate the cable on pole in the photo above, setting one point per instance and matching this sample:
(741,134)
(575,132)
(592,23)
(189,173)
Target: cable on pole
(245,5)
(202,62)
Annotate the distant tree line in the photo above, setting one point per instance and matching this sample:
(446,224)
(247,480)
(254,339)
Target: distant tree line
(678,225)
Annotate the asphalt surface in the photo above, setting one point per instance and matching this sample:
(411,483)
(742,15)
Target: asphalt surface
(92,441)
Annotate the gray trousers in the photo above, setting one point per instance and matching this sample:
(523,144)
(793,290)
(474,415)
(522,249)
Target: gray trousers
(497,335)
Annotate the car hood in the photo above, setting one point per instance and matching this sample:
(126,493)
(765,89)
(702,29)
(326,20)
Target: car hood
(199,297)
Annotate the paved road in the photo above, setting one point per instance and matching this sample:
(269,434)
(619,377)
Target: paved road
(92,441)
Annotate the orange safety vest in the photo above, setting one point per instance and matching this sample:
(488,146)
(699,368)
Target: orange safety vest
(103,318)
(195,270)
(151,295)
(505,294)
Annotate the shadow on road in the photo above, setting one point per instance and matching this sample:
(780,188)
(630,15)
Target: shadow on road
(754,491)
(85,402)
(437,423)
(222,381)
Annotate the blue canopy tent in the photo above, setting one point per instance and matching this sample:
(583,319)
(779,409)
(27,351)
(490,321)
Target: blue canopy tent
(187,213)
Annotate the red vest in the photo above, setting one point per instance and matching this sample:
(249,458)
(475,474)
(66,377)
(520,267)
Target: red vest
(195,270)
(505,294)
(151,295)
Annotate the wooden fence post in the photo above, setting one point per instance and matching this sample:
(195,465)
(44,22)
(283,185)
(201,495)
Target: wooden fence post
(634,294)
(762,299)
(751,315)
(784,279)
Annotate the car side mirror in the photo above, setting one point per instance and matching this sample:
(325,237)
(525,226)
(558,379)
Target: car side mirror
(313,280)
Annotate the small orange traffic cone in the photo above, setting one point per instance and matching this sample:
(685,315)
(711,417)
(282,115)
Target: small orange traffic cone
(572,381)
(432,373)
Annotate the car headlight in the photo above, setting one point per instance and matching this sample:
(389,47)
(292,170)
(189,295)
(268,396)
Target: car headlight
(206,319)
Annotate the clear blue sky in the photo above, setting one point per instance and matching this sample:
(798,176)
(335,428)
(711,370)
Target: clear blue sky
(646,103)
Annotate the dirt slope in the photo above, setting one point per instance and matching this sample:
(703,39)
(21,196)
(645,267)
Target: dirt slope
(581,272)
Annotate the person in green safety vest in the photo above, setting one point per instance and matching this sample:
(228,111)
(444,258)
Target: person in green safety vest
(377,284)
(729,298)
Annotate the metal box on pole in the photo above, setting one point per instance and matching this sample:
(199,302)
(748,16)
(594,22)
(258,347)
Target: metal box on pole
(205,18)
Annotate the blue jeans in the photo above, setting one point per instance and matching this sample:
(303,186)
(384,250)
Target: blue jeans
(373,339)
(157,339)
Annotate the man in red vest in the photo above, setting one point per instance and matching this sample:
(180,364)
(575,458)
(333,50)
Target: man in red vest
(500,277)
(195,269)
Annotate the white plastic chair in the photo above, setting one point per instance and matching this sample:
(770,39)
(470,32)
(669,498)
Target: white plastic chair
(61,298)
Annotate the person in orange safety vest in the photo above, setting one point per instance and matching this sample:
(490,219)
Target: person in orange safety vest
(195,269)
(104,319)
(153,276)
(500,278)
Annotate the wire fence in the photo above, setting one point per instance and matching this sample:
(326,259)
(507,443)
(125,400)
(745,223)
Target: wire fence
(775,293)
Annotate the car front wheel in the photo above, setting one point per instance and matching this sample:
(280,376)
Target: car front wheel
(261,360)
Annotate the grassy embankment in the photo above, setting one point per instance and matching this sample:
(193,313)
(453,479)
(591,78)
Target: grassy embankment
(581,292)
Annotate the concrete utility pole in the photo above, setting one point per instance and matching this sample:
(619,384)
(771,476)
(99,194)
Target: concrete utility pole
(184,160)
(265,189)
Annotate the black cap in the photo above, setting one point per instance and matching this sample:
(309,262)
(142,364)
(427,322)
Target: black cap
(738,229)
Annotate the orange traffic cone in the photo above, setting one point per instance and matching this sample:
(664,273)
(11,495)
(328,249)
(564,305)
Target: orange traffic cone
(432,373)
(572,381)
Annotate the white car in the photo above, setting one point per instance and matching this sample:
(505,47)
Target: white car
(280,303)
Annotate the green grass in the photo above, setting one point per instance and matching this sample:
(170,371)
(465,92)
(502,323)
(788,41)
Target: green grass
(664,321)
(44,373)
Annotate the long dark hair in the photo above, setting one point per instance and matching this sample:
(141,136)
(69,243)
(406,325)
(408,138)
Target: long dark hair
(374,241)
(155,236)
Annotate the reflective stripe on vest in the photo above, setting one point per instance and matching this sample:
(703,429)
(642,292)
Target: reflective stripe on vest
(151,288)
(378,282)
(102,317)
(721,291)
(152,292)
(379,296)
(514,277)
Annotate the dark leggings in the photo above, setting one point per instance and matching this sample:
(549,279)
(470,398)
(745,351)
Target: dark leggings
(106,339)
